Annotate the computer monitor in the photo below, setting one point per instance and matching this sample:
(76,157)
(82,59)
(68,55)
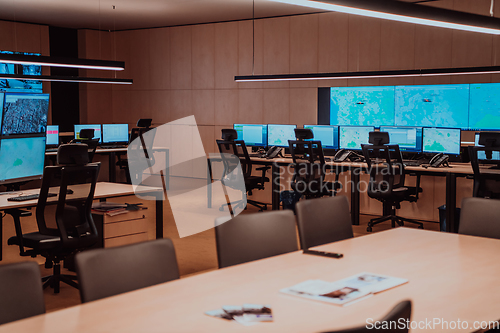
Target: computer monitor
(278,135)
(114,133)
(25,113)
(481,155)
(328,135)
(441,140)
(408,138)
(97,131)
(21,159)
(52,135)
(351,137)
(442,105)
(252,134)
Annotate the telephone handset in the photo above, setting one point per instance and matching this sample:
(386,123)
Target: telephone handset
(438,160)
(273,152)
(342,155)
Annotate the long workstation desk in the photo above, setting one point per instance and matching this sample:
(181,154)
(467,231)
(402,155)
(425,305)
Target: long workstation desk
(449,279)
(103,191)
(356,169)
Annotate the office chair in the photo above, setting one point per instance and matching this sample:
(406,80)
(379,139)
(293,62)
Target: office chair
(387,179)
(143,126)
(486,182)
(21,290)
(251,237)
(400,313)
(229,145)
(87,137)
(480,217)
(74,228)
(324,220)
(310,168)
(107,272)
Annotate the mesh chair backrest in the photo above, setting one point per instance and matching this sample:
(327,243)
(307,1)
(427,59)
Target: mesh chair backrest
(323,221)
(386,168)
(255,236)
(107,272)
(238,149)
(21,291)
(308,159)
(486,183)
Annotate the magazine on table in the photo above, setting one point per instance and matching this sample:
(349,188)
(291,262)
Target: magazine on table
(344,291)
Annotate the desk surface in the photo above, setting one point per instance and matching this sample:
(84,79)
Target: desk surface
(103,190)
(450,276)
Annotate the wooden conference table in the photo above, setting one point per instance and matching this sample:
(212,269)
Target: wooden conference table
(103,191)
(356,168)
(451,277)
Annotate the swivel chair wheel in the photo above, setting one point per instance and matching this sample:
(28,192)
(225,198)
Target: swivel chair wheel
(369,229)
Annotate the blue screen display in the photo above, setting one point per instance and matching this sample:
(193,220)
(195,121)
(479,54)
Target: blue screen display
(21,158)
(484,111)
(408,138)
(116,133)
(252,134)
(25,113)
(362,106)
(352,137)
(278,135)
(441,140)
(97,131)
(328,135)
(432,105)
(52,135)
(17,85)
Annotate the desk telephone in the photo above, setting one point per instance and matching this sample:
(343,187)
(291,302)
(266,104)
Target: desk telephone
(438,160)
(342,155)
(273,152)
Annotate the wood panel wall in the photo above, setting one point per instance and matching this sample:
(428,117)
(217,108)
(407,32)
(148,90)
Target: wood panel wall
(189,70)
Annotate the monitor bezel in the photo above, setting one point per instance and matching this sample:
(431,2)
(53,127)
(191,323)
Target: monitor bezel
(437,152)
(114,142)
(404,149)
(3,112)
(264,144)
(268,143)
(27,178)
(351,126)
(58,137)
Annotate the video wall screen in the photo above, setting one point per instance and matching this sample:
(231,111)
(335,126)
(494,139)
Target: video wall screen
(464,106)
(25,113)
(17,85)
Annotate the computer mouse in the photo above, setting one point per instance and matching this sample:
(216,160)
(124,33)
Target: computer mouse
(69,191)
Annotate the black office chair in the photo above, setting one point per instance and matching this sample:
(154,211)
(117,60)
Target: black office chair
(400,313)
(21,291)
(107,272)
(87,137)
(74,228)
(310,168)
(480,217)
(387,179)
(323,221)
(486,183)
(143,126)
(230,146)
(251,237)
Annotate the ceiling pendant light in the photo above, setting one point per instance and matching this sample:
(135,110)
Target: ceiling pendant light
(55,78)
(24,59)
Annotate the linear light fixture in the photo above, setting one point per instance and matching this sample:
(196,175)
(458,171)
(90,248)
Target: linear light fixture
(371,74)
(66,79)
(407,12)
(24,59)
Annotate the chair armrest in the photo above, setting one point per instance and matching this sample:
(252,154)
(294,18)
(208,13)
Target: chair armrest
(263,168)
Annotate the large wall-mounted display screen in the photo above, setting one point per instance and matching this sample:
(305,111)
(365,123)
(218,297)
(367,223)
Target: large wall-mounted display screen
(484,111)
(17,85)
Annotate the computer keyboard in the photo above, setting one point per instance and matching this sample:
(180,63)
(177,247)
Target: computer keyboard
(413,162)
(51,149)
(29,197)
(113,147)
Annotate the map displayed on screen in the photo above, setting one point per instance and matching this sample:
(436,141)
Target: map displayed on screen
(363,106)
(351,137)
(25,113)
(278,135)
(441,140)
(21,157)
(484,111)
(433,105)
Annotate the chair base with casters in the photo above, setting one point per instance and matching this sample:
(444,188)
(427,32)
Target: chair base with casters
(390,215)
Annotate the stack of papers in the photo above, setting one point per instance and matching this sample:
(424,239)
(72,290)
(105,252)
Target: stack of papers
(248,314)
(346,291)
